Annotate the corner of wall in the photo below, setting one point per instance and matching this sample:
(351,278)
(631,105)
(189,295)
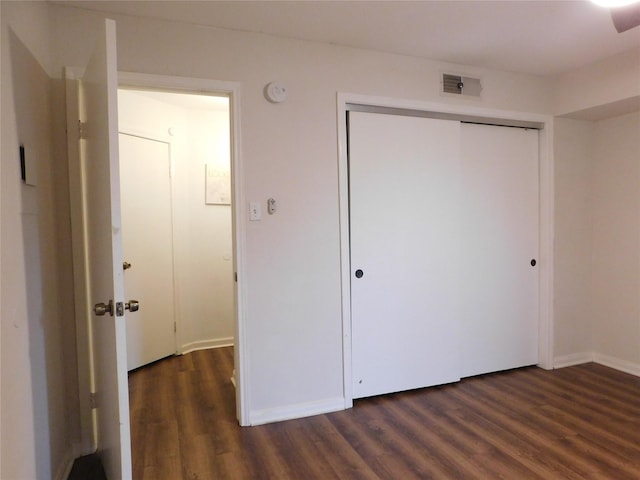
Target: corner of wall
(608,81)
(572,359)
(619,364)
(632,368)
(66,462)
(289,412)
(573,152)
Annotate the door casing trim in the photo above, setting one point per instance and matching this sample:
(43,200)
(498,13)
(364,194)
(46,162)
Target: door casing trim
(233,91)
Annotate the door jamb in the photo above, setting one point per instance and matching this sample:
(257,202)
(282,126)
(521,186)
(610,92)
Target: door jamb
(546,209)
(82,310)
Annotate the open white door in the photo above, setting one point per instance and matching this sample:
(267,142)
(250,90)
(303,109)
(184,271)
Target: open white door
(101,189)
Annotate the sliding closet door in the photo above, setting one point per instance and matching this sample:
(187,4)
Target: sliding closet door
(499,305)
(405,242)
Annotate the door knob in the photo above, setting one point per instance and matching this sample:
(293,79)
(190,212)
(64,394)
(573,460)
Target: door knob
(101,309)
(126,265)
(359,273)
(132,305)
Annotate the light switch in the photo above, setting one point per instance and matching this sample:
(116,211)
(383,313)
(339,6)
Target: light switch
(255,214)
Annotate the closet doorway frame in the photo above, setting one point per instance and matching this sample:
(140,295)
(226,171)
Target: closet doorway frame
(347,102)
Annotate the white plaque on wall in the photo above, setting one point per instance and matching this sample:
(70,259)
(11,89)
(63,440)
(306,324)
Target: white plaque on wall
(217,186)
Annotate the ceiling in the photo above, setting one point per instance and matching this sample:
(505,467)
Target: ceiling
(536,37)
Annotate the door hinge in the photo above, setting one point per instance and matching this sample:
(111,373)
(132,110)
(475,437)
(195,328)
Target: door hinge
(235,276)
(93,402)
(175,327)
(82,129)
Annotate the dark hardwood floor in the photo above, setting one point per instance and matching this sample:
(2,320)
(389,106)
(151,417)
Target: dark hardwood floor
(579,422)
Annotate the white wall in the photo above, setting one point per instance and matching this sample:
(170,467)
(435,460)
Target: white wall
(616,241)
(597,222)
(289,152)
(573,153)
(202,233)
(614,82)
(597,226)
(38,378)
(205,261)
(596,218)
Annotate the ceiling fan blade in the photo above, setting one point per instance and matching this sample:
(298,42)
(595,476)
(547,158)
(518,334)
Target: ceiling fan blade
(627,17)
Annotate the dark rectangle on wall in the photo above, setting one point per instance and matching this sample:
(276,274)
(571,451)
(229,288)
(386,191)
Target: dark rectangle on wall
(23,165)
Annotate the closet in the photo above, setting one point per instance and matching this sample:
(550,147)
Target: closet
(444,246)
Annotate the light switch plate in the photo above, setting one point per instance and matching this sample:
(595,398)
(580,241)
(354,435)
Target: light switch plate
(255,213)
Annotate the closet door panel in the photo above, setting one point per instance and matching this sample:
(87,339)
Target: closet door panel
(499,302)
(404,175)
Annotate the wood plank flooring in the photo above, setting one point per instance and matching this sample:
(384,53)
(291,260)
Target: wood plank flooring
(579,422)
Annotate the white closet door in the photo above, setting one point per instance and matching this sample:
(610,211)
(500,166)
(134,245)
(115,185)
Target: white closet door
(405,240)
(499,305)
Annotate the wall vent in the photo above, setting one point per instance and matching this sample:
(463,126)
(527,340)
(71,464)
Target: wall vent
(459,85)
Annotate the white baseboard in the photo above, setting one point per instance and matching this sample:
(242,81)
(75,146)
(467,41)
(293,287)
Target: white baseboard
(617,363)
(291,412)
(573,359)
(205,344)
(606,360)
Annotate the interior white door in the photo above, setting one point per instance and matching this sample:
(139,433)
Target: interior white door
(147,237)
(101,189)
(499,303)
(405,237)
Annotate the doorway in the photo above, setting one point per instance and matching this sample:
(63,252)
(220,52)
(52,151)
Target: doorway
(177,221)
(92,94)
(177,228)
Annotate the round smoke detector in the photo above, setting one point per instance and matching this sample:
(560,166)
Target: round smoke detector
(275,92)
